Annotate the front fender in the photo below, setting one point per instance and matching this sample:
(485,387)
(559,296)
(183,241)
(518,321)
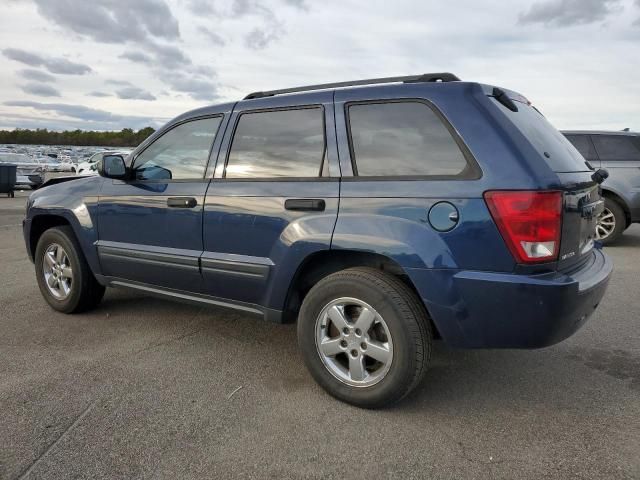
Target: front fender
(77,203)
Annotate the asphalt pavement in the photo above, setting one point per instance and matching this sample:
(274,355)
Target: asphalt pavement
(147,388)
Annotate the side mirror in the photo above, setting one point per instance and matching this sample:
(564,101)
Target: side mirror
(112,166)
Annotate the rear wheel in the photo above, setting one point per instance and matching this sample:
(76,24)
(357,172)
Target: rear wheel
(63,275)
(611,222)
(365,337)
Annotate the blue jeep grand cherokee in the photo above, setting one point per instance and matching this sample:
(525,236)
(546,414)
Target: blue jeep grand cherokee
(379,214)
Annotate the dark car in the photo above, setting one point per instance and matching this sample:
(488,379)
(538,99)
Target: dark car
(378,214)
(619,154)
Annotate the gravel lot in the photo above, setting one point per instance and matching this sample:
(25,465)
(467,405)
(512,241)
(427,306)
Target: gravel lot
(146,388)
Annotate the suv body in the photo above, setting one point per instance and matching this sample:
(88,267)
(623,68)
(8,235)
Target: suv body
(270,204)
(619,154)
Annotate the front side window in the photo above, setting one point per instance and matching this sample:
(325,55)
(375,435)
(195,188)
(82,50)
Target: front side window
(402,139)
(280,143)
(583,145)
(181,153)
(617,147)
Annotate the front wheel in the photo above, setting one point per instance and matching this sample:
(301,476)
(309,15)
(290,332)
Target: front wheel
(365,337)
(63,275)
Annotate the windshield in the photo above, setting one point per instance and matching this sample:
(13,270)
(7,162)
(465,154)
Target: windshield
(558,152)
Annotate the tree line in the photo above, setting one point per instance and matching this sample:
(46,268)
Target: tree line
(124,138)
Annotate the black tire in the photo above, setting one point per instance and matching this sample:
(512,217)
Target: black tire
(407,322)
(620,218)
(86,293)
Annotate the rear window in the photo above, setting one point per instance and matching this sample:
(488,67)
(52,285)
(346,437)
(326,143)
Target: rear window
(558,152)
(281,143)
(617,147)
(402,139)
(584,146)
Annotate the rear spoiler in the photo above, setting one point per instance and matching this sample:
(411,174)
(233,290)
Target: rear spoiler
(54,181)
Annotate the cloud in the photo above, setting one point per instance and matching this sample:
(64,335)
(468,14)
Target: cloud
(110,21)
(212,36)
(36,75)
(40,89)
(112,81)
(301,4)
(53,64)
(568,12)
(637,22)
(258,39)
(145,25)
(169,56)
(134,93)
(201,7)
(137,57)
(86,114)
(98,94)
(198,89)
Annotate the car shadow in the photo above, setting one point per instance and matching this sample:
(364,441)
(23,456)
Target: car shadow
(519,379)
(626,240)
(480,380)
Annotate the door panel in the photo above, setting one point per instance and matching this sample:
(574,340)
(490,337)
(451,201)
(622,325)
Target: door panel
(150,227)
(141,238)
(253,244)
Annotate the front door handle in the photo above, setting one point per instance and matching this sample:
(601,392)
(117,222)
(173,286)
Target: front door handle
(181,202)
(305,204)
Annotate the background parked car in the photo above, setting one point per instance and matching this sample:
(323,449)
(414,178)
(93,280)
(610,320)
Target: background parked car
(89,166)
(29,172)
(619,153)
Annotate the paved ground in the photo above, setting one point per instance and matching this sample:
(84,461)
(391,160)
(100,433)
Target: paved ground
(145,388)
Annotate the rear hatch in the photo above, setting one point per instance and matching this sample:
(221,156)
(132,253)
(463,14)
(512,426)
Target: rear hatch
(582,202)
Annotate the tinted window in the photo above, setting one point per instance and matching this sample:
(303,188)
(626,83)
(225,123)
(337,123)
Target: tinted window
(283,143)
(402,138)
(617,147)
(561,155)
(584,146)
(181,153)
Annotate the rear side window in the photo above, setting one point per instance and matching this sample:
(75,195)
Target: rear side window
(553,147)
(402,139)
(179,154)
(617,147)
(583,145)
(280,143)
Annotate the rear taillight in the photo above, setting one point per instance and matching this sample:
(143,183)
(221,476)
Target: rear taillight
(529,221)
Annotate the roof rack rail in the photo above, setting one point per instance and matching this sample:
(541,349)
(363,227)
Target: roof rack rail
(426,77)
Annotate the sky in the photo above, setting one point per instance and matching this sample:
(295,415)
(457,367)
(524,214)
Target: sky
(111,64)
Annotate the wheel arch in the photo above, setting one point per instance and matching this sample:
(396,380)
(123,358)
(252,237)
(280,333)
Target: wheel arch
(42,223)
(320,264)
(608,193)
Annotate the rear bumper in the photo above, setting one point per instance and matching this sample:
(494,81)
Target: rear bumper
(474,309)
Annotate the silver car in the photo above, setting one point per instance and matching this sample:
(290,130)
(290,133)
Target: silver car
(619,153)
(29,171)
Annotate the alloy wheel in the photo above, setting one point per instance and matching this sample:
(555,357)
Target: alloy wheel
(57,271)
(354,342)
(606,224)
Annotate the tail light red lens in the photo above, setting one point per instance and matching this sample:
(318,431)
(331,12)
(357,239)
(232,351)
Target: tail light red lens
(529,221)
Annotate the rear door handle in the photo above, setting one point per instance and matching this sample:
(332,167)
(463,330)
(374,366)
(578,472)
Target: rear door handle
(305,204)
(181,202)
